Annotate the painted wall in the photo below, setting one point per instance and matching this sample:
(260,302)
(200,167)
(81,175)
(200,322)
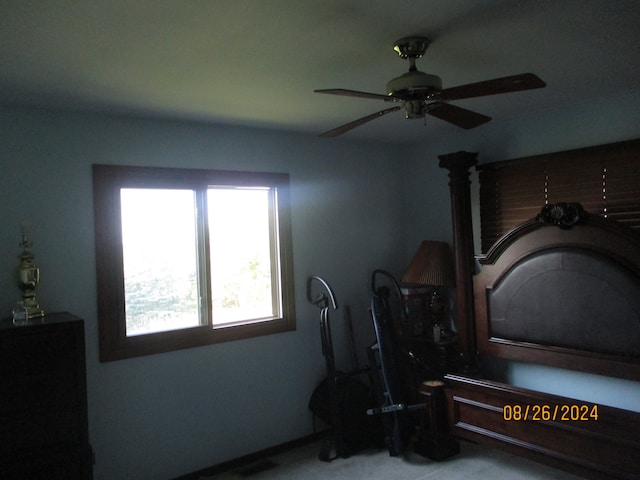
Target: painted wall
(356,207)
(166,415)
(598,121)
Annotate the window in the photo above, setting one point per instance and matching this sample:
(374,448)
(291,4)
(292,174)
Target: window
(190,257)
(604,179)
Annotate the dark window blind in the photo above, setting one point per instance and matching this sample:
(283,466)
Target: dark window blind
(604,179)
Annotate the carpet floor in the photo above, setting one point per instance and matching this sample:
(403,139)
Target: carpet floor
(474,461)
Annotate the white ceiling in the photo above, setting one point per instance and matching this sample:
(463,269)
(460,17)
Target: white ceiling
(257,62)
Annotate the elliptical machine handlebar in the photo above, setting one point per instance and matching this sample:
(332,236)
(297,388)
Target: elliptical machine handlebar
(321,300)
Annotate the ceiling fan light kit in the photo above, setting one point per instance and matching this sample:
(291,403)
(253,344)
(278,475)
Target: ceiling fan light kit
(422,93)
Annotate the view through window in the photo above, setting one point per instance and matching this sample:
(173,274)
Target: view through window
(160,260)
(244,280)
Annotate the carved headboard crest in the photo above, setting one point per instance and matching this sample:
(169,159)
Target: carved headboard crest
(564,215)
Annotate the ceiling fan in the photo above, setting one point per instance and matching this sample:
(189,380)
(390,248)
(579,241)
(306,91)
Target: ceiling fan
(422,93)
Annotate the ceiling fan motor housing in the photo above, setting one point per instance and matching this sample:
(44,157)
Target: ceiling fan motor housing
(414,84)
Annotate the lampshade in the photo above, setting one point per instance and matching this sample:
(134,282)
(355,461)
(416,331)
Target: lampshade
(432,265)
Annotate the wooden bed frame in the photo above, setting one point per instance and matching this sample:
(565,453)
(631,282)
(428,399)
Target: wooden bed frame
(561,290)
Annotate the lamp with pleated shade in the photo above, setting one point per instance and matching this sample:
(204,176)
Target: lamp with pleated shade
(432,266)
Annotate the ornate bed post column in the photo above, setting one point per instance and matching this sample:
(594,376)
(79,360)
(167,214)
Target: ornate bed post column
(458,165)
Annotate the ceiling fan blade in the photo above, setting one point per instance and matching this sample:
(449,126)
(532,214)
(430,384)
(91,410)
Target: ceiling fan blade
(460,117)
(354,93)
(356,123)
(514,83)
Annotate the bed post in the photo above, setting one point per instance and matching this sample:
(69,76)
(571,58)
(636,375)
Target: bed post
(458,165)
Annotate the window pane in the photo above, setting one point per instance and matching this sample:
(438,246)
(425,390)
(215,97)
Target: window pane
(240,240)
(160,260)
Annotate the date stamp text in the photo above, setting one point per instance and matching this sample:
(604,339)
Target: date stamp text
(535,412)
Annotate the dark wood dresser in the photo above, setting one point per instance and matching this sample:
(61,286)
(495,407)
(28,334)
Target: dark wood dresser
(43,400)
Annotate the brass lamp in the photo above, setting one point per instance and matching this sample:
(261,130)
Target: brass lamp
(28,275)
(432,266)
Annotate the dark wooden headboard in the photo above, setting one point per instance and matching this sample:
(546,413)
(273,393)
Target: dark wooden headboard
(563,290)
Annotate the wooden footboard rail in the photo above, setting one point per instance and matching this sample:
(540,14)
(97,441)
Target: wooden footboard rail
(594,441)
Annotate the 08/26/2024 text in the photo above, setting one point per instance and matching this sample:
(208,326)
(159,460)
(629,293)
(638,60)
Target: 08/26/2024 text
(535,412)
